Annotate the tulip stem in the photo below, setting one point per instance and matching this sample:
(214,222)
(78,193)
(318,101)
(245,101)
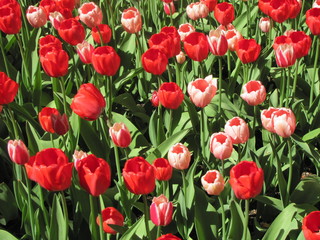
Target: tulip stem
(158,231)
(14,123)
(146,215)
(223,217)
(109,93)
(290,170)
(294,86)
(282,86)
(4,57)
(116,153)
(94,230)
(23,61)
(287,87)
(170,123)
(314,70)
(246,219)
(65,210)
(101,207)
(44,210)
(171,19)
(63,91)
(254,121)
(222,167)
(220,85)
(229,65)
(30,207)
(239,153)
(169,73)
(248,19)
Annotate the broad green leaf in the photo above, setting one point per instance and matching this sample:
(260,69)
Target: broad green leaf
(307,191)
(8,207)
(311,135)
(6,235)
(58,221)
(274,202)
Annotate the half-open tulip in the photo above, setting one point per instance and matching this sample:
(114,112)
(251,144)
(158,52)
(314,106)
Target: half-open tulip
(154,61)
(161,211)
(52,121)
(131,20)
(120,135)
(224,13)
(72,31)
(197,10)
(217,42)
(248,50)
(110,215)
(185,29)
(10,17)
(105,33)
(55,62)
(90,14)
(105,60)
(221,145)
(301,43)
(265,24)
(36,16)
(179,156)
(283,122)
(163,169)
(285,55)
(266,119)
(313,20)
(237,129)
(85,51)
(253,92)
(213,182)
(170,95)
(18,152)
(196,46)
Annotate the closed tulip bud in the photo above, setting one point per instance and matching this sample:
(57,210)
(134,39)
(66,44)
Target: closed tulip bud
(253,92)
(285,55)
(283,122)
(213,182)
(105,32)
(94,175)
(170,95)
(266,118)
(246,180)
(197,10)
(248,50)
(36,16)
(8,89)
(155,99)
(55,62)
(18,152)
(139,176)
(131,20)
(85,51)
(163,169)
(52,121)
(105,60)
(51,169)
(310,226)
(112,216)
(221,145)
(265,24)
(56,18)
(201,91)
(179,156)
(169,8)
(161,211)
(72,31)
(224,13)
(90,14)
(185,29)
(168,236)
(237,129)
(196,46)
(217,42)
(154,61)
(181,57)
(313,20)
(77,157)
(120,135)
(88,103)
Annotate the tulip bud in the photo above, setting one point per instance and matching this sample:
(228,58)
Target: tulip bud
(283,122)
(85,51)
(169,8)
(90,14)
(232,35)
(179,156)
(161,211)
(52,121)
(18,152)
(163,169)
(181,57)
(120,135)
(221,145)
(36,16)
(265,24)
(213,182)
(131,20)
(197,10)
(77,157)
(217,42)
(237,129)
(185,29)
(254,93)
(285,55)
(155,99)
(266,118)
(102,31)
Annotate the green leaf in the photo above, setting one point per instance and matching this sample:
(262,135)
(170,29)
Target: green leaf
(307,191)
(58,221)
(237,221)
(7,236)
(311,135)
(8,207)
(274,202)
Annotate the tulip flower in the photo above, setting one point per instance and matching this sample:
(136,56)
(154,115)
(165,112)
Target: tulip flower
(221,145)
(49,6)
(213,182)
(120,135)
(170,95)
(154,61)
(77,157)
(266,119)
(224,13)
(56,18)
(196,46)
(36,16)
(197,10)
(173,33)
(52,121)
(248,50)
(105,60)
(90,14)
(310,226)
(163,169)
(169,8)
(232,36)
(131,20)
(217,42)
(72,31)
(161,211)
(265,24)
(179,156)
(10,17)
(55,62)
(301,42)
(181,57)
(105,32)
(85,51)
(253,92)
(210,4)
(285,55)
(185,29)
(279,10)
(49,42)
(246,180)
(155,99)
(168,236)
(8,89)
(110,215)
(313,20)
(69,4)
(18,152)
(237,129)
(283,122)
(163,42)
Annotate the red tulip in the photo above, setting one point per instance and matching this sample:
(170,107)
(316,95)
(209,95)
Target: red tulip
(294,8)
(72,31)
(253,92)
(52,121)
(279,10)
(246,180)
(163,169)
(170,95)
(131,20)
(161,211)
(310,226)
(213,182)
(313,20)
(173,33)
(221,145)
(248,50)
(264,6)
(120,135)
(301,42)
(217,42)
(105,32)
(8,89)
(94,175)
(49,6)
(210,4)
(196,46)
(69,4)
(110,215)
(50,41)
(105,60)
(90,14)
(88,103)
(168,236)
(139,176)
(163,42)
(285,55)
(18,152)
(51,169)
(10,17)
(54,62)
(224,13)
(154,61)
(237,129)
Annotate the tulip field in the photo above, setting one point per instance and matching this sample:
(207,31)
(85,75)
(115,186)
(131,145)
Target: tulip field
(159,120)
